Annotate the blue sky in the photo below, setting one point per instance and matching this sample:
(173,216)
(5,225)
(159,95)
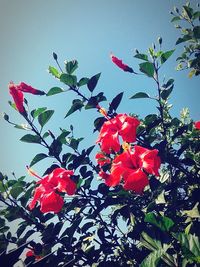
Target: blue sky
(87,31)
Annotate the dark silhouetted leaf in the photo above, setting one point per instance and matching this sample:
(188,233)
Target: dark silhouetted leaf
(93,82)
(115,102)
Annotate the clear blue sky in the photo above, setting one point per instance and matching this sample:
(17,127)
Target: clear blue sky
(87,31)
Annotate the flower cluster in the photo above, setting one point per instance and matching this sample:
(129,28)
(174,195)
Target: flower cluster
(59,180)
(134,163)
(16,91)
(121,125)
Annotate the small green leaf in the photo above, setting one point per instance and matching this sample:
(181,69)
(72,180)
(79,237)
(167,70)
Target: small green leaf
(147,68)
(188,11)
(68,79)
(54,90)
(37,158)
(142,56)
(93,82)
(71,66)
(77,104)
(166,55)
(44,117)
(140,95)
(37,112)
(83,81)
(29,138)
(175,18)
(54,72)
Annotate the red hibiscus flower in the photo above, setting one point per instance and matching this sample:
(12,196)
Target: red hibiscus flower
(59,180)
(29,89)
(120,64)
(18,98)
(102,159)
(197,125)
(121,125)
(129,167)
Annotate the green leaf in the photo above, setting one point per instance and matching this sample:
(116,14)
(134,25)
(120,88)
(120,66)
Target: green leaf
(183,39)
(55,90)
(166,55)
(196,15)
(175,18)
(54,72)
(188,11)
(196,31)
(71,66)
(140,95)
(44,117)
(116,101)
(29,138)
(37,158)
(83,81)
(77,104)
(16,191)
(142,56)
(147,68)
(152,259)
(162,222)
(93,82)
(68,79)
(36,112)
(165,93)
(94,100)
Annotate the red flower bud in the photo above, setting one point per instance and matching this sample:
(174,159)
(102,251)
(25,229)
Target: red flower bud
(18,97)
(197,125)
(120,64)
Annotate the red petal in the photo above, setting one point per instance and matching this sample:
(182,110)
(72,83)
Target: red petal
(51,202)
(136,181)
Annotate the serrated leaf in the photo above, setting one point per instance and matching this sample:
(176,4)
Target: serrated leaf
(147,68)
(36,112)
(44,117)
(77,104)
(83,81)
(140,95)
(54,72)
(71,66)
(93,82)
(116,101)
(164,56)
(55,90)
(37,158)
(29,138)
(68,79)
(141,56)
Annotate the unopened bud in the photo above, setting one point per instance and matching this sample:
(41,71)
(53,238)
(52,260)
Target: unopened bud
(160,40)
(6,117)
(55,56)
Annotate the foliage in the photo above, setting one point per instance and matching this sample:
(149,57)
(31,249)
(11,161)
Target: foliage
(99,223)
(188,23)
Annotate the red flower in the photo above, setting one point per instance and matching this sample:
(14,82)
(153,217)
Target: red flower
(31,253)
(123,125)
(18,97)
(129,167)
(102,159)
(197,125)
(120,64)
(59,180)
(29,89)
